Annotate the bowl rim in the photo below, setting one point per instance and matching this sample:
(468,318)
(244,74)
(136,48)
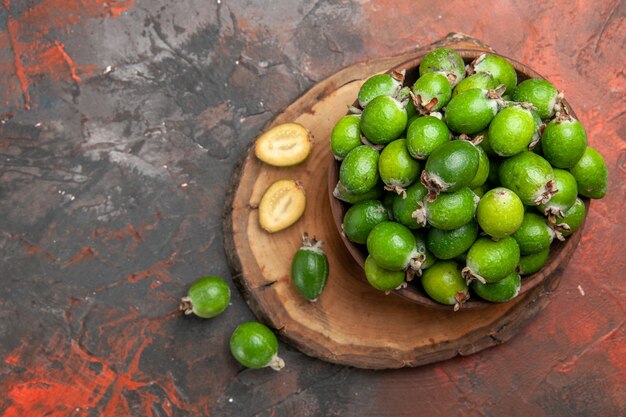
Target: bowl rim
(413,293)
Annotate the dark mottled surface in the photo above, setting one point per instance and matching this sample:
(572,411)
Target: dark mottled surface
(112,185)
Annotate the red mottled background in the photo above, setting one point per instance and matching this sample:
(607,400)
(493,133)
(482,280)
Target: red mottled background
(121,123)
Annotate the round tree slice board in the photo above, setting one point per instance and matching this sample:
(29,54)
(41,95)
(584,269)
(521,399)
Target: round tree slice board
(351,323)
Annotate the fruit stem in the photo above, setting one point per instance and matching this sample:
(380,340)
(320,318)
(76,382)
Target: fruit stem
(365,141)
(422,107)
(398,189)
(547,194)
(420,215)
(398,75)
(416,263)
(460,297)
(433,184)
(354,110)
(311,244)
(276,363)
(186,306)
(471,276)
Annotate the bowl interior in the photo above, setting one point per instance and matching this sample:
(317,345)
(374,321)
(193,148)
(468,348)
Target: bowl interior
(414,292)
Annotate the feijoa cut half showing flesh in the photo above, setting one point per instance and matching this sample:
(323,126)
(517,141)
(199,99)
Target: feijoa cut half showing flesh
(284,145)
(282,204)
(309,268)
(207,297)
(254,345)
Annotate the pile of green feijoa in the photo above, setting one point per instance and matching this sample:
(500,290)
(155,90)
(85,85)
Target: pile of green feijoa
(463,177)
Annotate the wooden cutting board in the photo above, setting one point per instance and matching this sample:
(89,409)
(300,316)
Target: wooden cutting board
(351,323)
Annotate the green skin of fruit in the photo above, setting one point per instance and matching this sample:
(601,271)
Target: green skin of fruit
(411,112)
(444,60)
(391,245)
(378,85)
(444,283)
(500,212)
(591,174)
(563,143)
(498,292)
(540,93)
(481,190)
(451,166)
(359,170)
(530,264)
(424,135)
(511,131)
(483,81)
(433,85)
(499,68)
(382,279)
(208,297)
(341,193)
(383,120)
(253,345)
(448,244)
(450,210)
(345,136)
(482,173)
(470,111)
(485,145)
(403,208)
(573,218)
(534,235)
(529,176)
(361,218)
(309,270)
(492,260)
(396,167)
(565,197)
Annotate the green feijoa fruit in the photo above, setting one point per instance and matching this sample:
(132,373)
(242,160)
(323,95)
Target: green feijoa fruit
(444,60)
(591,174)
(425,259)
(424,135)
(361,218)
(511,131)
(450,167)
(345,136)
(529,176)
(571,221)
(498,67)
(309,268)
(359,170)
(431,92)
(404,206)
(482,173)
(534,235)
(392,246)
(444,283)
(482,80)
(563,142)
(382,279)
(449,211)
(383,120)
(500,212)
(448,244)
(498,292)
(341,193)
(207,297)
(471,111)
(378,85)
(538,92)
(530,264)
(396,167)
(490,261)
(565,197)
(254,345)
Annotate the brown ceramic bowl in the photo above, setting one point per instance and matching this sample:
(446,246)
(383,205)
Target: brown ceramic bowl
(414,292)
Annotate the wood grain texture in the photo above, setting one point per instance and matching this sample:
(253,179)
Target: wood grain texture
(352,323)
